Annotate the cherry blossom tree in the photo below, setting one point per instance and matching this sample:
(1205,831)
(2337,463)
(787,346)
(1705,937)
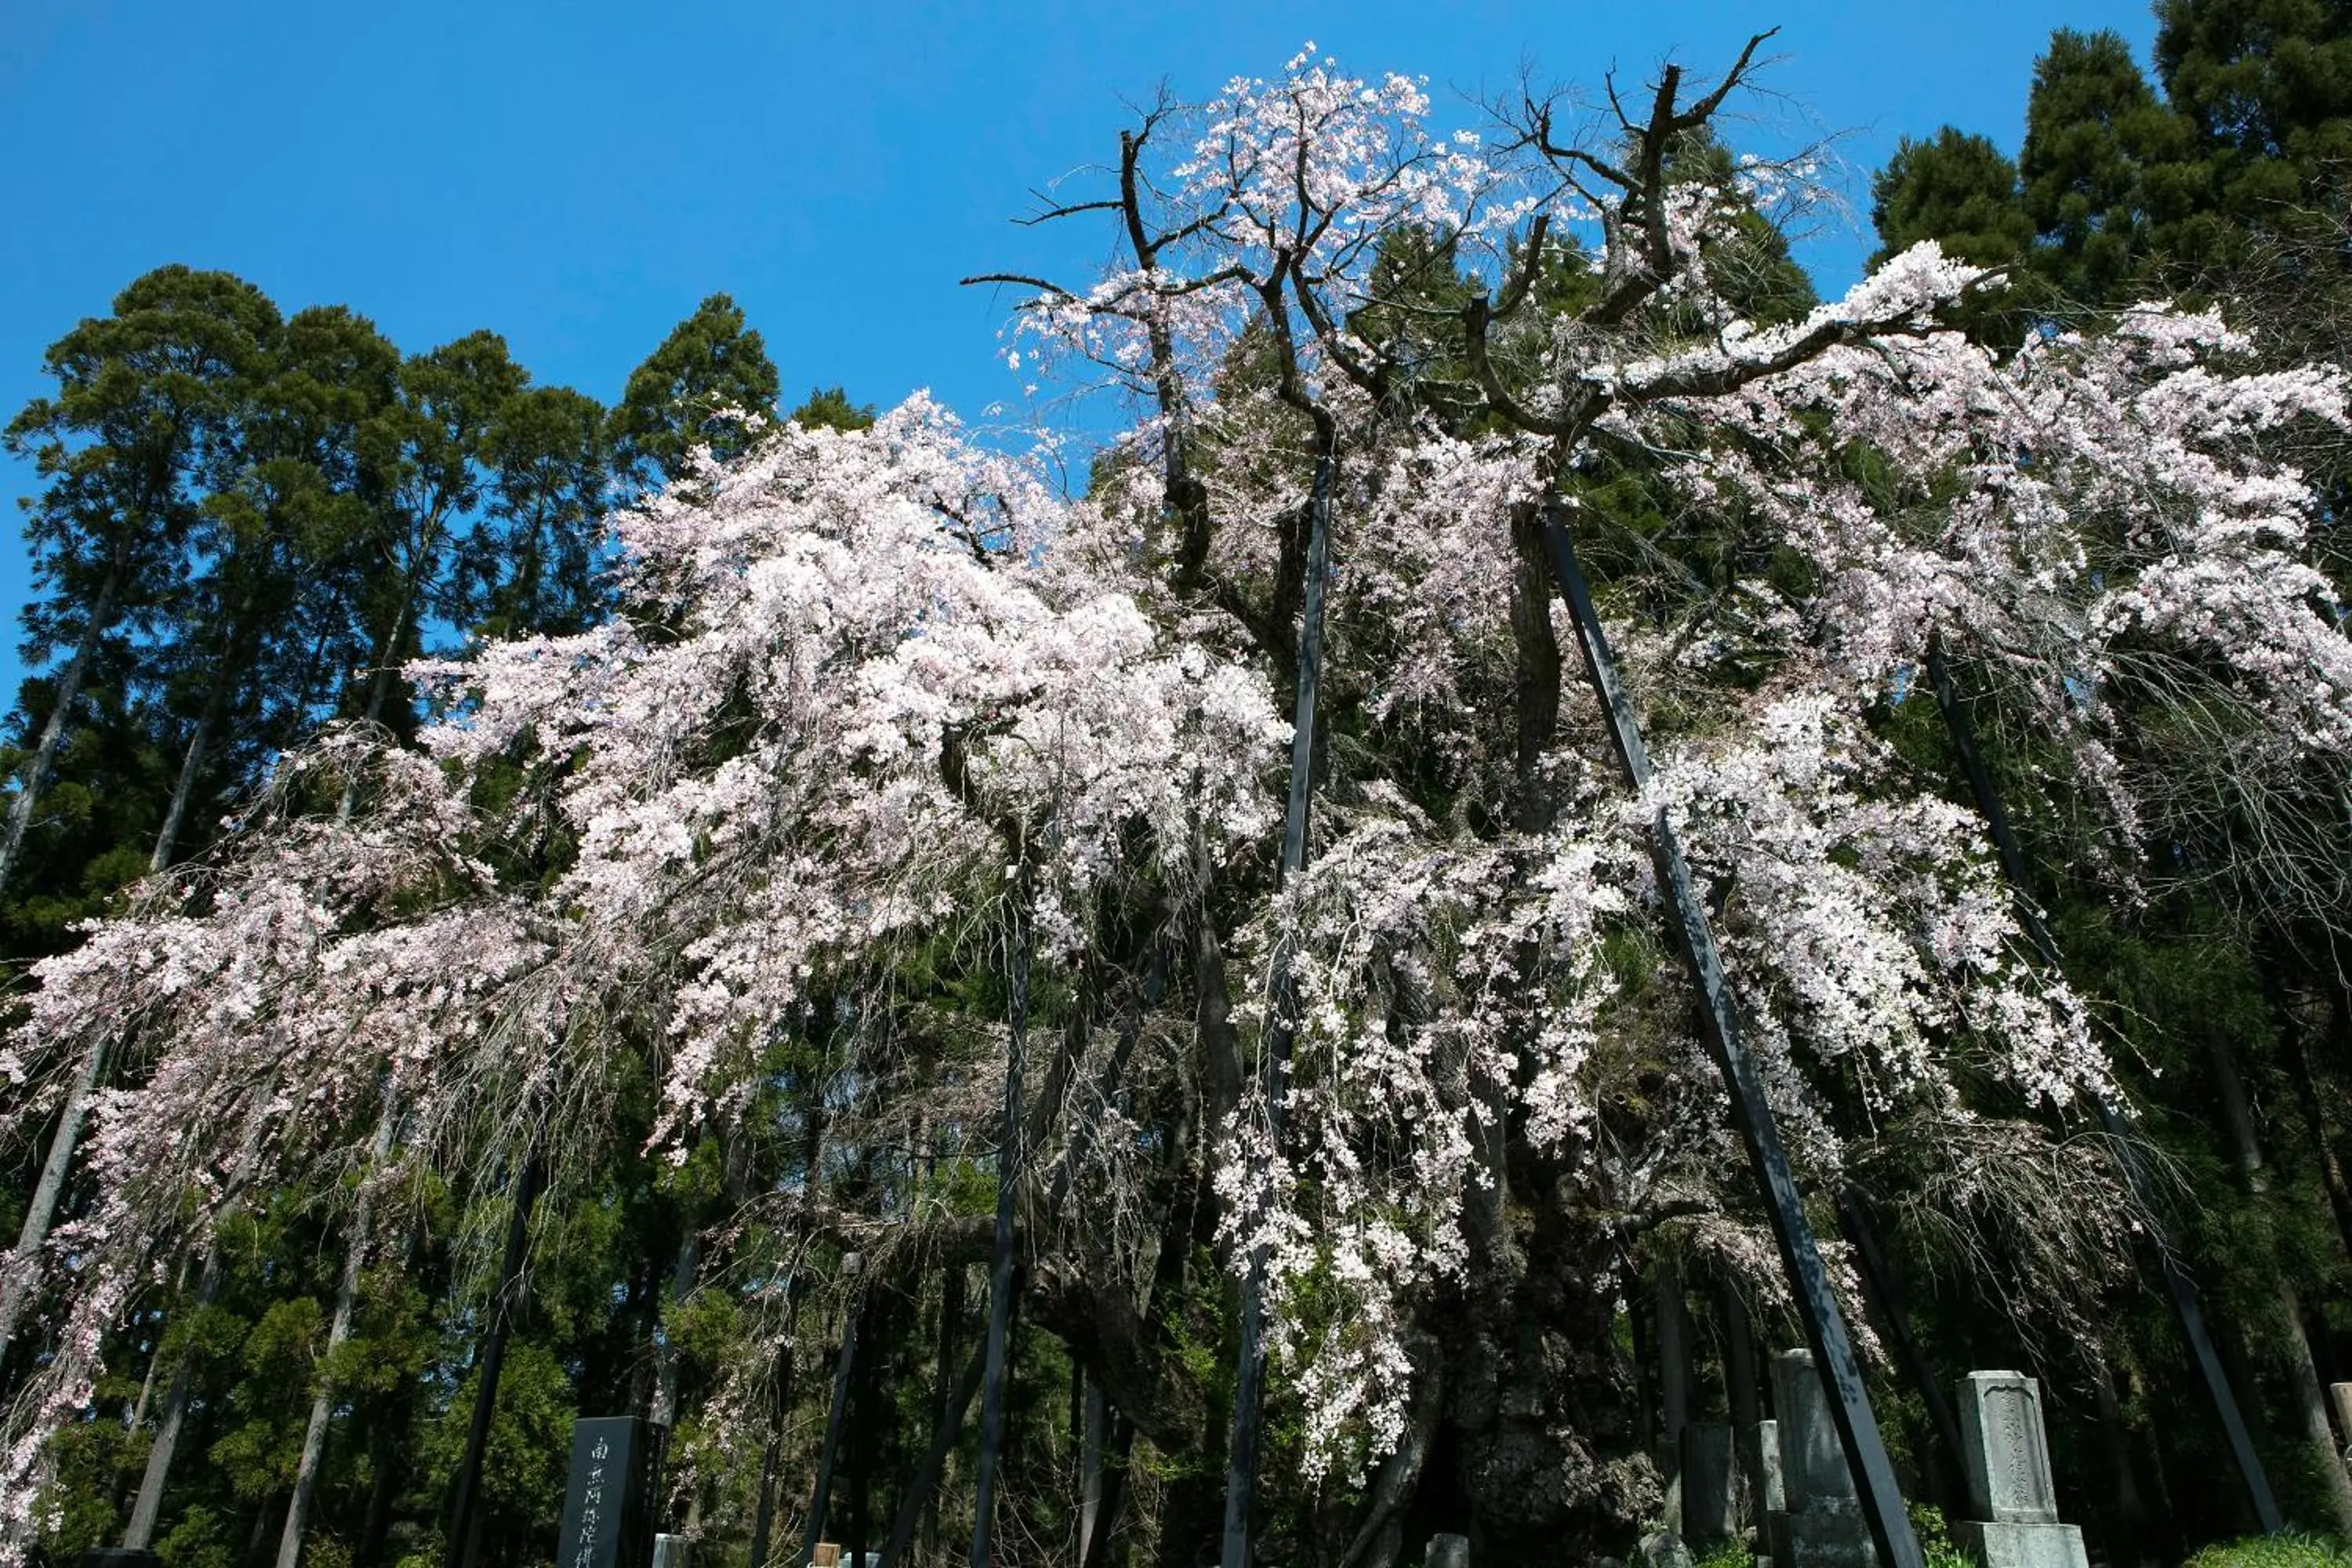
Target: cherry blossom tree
(884,720)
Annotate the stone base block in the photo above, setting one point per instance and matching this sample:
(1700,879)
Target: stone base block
(2021,1545)
(1821,1537)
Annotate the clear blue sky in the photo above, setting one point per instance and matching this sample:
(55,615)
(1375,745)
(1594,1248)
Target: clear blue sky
(577,175)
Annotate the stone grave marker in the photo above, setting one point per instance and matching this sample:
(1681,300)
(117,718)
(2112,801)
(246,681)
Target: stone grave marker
(608,1518)
(2007,1454)
(1820,1524)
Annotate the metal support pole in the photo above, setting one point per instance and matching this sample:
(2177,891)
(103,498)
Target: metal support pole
(1282,1022)
(2178,1290)
(1849,1402)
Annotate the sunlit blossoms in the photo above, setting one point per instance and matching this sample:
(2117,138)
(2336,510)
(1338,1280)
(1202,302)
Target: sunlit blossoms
(880,709)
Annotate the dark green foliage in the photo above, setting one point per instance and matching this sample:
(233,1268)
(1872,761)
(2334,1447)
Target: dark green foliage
(1956,188)
(695,390)
(831,408)
(2124,191)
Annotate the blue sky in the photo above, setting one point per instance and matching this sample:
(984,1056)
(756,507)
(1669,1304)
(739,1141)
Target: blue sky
(577,175)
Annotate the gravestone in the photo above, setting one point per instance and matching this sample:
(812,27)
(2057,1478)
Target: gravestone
(1820,1524)
(1449,1551)
(608,1517)
(1710,1487)
(1766,1495)
(2009,1490)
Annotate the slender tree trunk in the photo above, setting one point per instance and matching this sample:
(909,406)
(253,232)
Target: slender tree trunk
(865,1421)
(1094,1422)
(386,1442)
(380,678)
(666,1351)
(235,656)
(53,729)
(167,838)
(1114,1495)
(1741,1397)
(2185,1312)
(952,1309)
(464,1517)
(2323,1143)
(844,1365)
(764,1520)
(924,1486)
(999,1277)
(314,1435)
(1673,1361)
(2131,1512)
(2302,1374)
(148,1505)
(1940,1464)
(24,1264)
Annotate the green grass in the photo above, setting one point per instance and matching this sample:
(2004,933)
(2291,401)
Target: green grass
(2291,1549)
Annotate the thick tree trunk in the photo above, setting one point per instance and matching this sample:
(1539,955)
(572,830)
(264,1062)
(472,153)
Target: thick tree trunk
(53,730)
(314,1435)
(1536,673)
(23,1268)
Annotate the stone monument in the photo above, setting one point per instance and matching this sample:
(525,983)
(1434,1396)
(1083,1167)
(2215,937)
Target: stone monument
(1820,1524)
(2008,1458)
(1765,1493)
(608,1519)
